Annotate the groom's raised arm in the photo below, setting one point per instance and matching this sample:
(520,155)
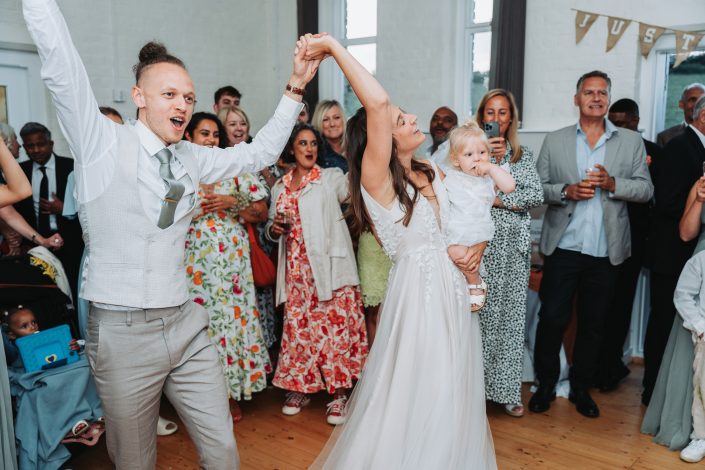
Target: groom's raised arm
(88,133)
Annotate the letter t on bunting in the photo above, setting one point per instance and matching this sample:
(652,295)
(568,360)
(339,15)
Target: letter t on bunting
(615,29)
(583,21)
(648,35)
(685,43)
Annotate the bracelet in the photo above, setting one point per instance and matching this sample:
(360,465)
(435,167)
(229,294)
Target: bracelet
(295,90)
(34,238)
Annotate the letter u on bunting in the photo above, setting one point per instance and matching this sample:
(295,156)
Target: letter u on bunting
(583,21)
(648,35)
(685,43)
(615,29)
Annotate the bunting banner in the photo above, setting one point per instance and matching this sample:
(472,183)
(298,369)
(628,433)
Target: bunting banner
(583,21)
(686,41)
(648,35)
(615,29)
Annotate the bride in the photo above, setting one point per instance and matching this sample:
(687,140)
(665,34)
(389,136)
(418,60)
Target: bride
(420,402)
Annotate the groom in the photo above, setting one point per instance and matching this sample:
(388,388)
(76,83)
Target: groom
(137,188)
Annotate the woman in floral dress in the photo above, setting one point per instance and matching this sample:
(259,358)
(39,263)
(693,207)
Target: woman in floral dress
(324,342)
(218,266)
(237,130)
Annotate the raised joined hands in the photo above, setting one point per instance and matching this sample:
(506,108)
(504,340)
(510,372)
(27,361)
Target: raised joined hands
(305,65)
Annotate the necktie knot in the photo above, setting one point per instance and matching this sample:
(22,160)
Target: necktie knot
(43,169)
(164,156)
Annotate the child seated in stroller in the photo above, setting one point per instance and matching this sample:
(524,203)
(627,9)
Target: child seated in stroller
(60,405)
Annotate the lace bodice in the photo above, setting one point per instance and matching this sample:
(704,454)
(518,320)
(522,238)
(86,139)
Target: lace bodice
(423,231)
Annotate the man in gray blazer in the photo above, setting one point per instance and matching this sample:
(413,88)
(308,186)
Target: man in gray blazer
(589,172)
(690,95)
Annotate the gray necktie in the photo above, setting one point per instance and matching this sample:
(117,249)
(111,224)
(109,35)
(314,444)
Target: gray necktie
(175,189)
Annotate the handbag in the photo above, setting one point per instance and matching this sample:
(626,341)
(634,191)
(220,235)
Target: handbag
(263,270)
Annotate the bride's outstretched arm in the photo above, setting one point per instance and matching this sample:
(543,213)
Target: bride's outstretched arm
(17,187)
(375,162)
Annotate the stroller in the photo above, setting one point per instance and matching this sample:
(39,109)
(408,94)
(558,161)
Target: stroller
(49,404)
(30,281)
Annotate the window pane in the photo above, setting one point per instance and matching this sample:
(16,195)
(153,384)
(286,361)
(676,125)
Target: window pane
(481,51)
(366,54)
(350,101)
(482,11)
(360,18)
(691,70)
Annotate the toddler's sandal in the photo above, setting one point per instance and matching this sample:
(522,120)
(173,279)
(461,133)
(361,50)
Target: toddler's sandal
(477,301)
(88,437)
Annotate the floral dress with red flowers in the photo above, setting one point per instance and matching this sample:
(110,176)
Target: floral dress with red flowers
(324,343)
(220,273)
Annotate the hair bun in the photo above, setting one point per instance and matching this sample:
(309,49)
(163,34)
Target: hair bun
(151,51)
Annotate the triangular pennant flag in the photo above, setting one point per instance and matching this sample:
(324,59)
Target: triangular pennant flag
(685,43)
(583,21)
(648,35)
(615,29)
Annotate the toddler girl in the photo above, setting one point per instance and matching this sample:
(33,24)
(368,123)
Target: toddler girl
(472,182)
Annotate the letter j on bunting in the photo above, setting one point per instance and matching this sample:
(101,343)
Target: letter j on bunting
(583,22)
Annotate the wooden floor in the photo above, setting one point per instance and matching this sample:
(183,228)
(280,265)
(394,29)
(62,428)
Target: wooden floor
(559,439)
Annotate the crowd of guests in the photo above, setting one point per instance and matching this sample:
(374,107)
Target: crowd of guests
(293,293)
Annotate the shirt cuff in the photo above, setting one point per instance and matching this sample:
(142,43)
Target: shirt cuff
(698,326)
(288,108)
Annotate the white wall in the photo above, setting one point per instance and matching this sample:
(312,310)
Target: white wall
(420,50)
(553,62)
(248,44)
(416,54)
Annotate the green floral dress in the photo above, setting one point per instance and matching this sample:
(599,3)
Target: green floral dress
(218,266)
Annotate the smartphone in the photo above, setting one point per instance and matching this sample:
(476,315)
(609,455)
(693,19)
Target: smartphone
(492,129)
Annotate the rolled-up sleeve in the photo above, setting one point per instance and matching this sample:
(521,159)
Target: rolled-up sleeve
(92,137)
(217,164)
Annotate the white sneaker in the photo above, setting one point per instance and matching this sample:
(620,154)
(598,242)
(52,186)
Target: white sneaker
(335,412)
(294,402)
(694,452)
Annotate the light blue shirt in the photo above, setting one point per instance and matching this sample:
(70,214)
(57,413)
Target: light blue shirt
(585,232)
(70,202)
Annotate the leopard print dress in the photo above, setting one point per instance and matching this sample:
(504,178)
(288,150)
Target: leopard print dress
(507,264)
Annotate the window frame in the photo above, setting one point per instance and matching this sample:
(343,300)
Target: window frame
(470,29)
(332,17)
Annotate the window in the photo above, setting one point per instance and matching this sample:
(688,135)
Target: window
(691,70)
(361,42)
(358,33)
(478,44)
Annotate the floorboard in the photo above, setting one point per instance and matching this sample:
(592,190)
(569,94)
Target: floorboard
(556,440)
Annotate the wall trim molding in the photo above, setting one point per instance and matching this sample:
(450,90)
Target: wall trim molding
(14,46)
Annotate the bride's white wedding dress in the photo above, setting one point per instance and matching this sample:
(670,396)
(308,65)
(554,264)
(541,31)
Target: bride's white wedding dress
(420,403)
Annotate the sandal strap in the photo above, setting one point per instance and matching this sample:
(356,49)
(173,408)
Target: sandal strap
(482,285)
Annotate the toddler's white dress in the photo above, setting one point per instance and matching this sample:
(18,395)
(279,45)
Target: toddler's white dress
(471,198)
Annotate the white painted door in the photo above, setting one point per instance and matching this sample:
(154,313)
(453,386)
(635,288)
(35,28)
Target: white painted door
(25,92)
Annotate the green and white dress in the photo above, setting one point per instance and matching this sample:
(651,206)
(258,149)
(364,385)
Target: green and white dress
(373,267)
(220,274)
